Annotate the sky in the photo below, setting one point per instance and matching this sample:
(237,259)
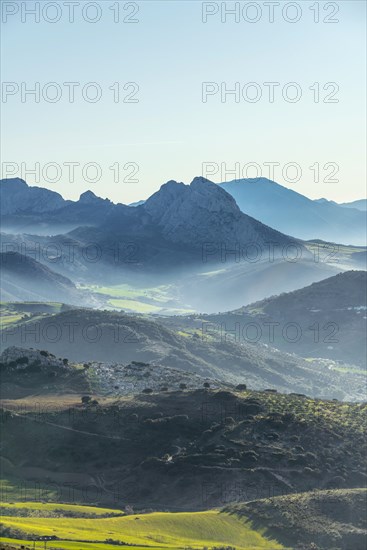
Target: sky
(151,102)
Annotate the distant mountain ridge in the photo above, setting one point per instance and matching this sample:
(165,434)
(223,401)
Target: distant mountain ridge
(327,318)
(24,278)
(360,204)
(178,225)
(18,197)
(294,214)
(36,209)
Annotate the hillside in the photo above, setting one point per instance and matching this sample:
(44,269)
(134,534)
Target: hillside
(185,450)
(360,204)
(325,319)
(294,214)
(159,531)
(326,519)
(84,335)
(24,278)
(26,371)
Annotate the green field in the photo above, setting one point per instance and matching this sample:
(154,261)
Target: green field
(141,300)
(7,319)
(90,528)
(13,312)
(134,305)
(45,508)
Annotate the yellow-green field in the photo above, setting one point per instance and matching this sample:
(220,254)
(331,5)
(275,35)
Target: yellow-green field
(161,530)
(18,543)
(43,508)
(141,300)
(12,313)
(134,305)
(7,318)
(62,545)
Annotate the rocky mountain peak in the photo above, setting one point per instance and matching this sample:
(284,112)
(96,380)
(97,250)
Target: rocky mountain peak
(88,197)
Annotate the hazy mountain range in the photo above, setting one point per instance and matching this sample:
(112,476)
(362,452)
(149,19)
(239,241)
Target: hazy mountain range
(38,210)
(177,226)
(193,238)
(119,374)
(295,214)
(360,204)
(25,279)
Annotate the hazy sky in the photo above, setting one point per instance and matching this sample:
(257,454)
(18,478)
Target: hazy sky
(163,129)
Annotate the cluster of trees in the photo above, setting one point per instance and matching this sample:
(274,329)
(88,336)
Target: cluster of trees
(206,385)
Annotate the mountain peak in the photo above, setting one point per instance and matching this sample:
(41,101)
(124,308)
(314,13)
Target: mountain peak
(88,197)
(171,185)
(200,181)
(14,183)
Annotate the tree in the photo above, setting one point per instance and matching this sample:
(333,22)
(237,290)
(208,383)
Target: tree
(241,387)
(206,385)
(183,387)
(86,399)
(147,390)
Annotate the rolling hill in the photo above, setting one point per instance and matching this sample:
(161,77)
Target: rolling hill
(321,519)
(325,319)
(24,278)
(182,450)
(158,531)
(84,335)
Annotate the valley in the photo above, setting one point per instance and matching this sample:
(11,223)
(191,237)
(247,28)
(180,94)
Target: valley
(177,374)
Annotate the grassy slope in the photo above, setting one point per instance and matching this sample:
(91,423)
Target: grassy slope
(159,530)
(45,508)
(217,439)
(125,338)
(330,519)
